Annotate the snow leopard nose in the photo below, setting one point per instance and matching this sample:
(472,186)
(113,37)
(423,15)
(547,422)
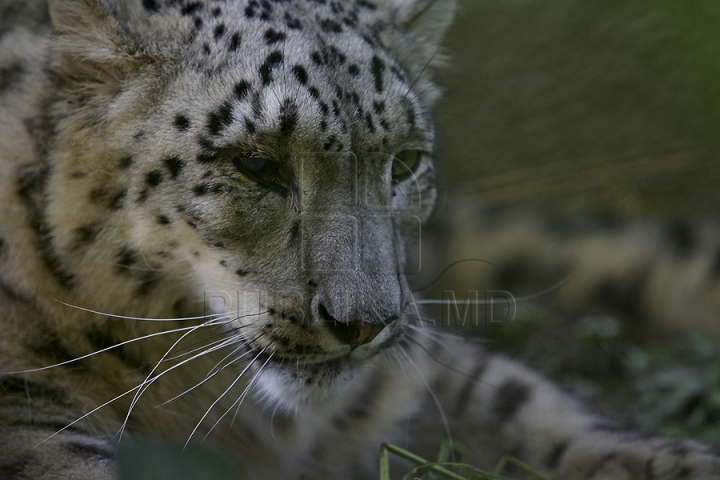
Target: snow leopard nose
(354,333)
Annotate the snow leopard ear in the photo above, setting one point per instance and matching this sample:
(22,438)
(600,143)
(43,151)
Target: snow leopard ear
(94,42)
(419,47)
(427,19)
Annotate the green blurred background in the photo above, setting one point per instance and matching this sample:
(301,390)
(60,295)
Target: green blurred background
(584,105)
(582,108)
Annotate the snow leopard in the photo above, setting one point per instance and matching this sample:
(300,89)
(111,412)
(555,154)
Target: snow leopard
(208,213)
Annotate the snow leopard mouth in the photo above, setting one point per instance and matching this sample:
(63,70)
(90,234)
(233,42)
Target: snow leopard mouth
(350,357)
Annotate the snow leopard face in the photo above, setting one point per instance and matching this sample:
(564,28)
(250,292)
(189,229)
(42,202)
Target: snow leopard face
(271,160)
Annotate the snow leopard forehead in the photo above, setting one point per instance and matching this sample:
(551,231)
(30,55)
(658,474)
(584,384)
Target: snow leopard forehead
(323,72)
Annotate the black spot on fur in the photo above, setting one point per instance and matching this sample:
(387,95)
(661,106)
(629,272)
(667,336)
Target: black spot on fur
(10,75)
(101,338)
(366,4)
(154,178)
(198,23)
(329,143)
(330,26)
(379,107)
(272,60)
(125,162)
(624,298)
(368,40)
(314,92)
(681,238)
(684,472)
(12,385)
(249,126)
(50,346)
(151,5)
(30,188)
(126,258)
(216,12)
(242,88)
(17,467)
(364,403)
(508,399)
(182,122)
(220,119)
(300,73)
(191,8)
(146,285)
(142,196)
(163,220)
(88,451)
(378,70)
(219,31)
(288,117)
(241,273)
(334,56)
(86,234)
(398,73)
(354,70)
(201,189)
(715,266)
(317,58)
(174,165)
(601,464)
(234,42)
(273,36)
(556,452)
(369,123)
(410,116)
(116,201)
(98,195)
(292,22)
(465,394)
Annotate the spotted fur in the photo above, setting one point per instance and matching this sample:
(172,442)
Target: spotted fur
(206,212)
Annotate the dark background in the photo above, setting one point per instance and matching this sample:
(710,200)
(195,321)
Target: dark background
(584,105)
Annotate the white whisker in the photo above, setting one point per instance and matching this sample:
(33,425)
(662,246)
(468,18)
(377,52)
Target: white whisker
(435,398)
(142,319)
(148,380)
(126,342)
(207,412)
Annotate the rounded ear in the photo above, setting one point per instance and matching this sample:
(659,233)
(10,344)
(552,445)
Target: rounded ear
(419,48)
(94,42)
(427,19)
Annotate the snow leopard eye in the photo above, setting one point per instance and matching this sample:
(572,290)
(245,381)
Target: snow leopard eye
(261,170)
(404,164)
(253,165)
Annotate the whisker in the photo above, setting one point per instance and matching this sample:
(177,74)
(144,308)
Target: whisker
(435,398)
(87,414)
(444,271)
(148,380)
(212,373)
(207,412)
(142,319)
(244,394)
(524,298)
(126,342)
